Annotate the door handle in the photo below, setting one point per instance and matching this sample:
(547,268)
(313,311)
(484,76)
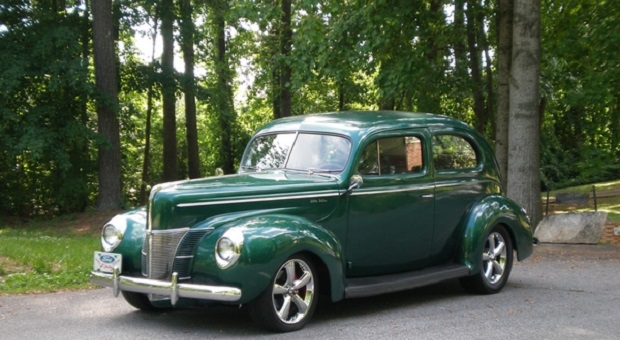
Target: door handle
(427,196)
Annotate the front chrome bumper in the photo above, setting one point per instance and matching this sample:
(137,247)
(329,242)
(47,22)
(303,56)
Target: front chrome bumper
(173,289)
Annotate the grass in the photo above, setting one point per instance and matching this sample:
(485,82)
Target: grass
(608,200)
(48,255)
(587,188)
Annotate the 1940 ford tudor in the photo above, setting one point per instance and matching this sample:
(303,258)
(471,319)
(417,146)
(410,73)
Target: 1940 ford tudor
(348,204)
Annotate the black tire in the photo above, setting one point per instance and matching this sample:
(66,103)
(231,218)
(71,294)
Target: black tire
(496,263)
(139,301)
(290,300)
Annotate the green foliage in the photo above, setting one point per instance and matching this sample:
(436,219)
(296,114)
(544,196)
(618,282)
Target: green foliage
(402,54)
(46,166)
(582,124)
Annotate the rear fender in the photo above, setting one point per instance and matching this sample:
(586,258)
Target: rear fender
(483,217)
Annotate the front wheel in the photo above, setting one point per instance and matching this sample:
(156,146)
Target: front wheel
(138,301)
(288,303)
(496,258)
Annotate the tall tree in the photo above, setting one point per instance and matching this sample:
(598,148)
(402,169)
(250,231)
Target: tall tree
(504,55)
(223,100)
(107,106)
(286,42)
(429,100)
(473,26)
(189,88)
(524,116)
(146,160)
(167,15)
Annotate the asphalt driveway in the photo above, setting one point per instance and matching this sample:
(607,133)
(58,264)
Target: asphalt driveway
(561,292)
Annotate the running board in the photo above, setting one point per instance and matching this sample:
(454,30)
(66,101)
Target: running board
(376,285)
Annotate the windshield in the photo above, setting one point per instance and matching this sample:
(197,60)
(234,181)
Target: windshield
(297,151)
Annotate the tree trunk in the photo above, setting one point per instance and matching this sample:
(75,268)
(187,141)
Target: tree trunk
(273,43)
(149,113)
(474,63)
(460,53)
(524,122)
(504,55)
(615,128)
(223,100)
(189,88)
(146,163)
(286,41)
(168,92)
(430,100)
(341,98)
(107,121)
(490,105)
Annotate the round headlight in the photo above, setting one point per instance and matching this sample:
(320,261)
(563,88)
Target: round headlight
(112,233)
(228,248)
(225,249)
(109,234)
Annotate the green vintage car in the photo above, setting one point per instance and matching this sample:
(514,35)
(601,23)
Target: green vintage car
(347,204)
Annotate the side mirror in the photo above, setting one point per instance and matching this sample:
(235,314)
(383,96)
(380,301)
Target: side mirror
(219,172)
(356,182)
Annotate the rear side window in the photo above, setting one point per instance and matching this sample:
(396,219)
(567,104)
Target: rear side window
(395,155)
(452,152)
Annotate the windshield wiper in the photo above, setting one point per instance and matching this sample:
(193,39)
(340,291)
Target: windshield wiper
(324,171)
(310,172)
(251,168)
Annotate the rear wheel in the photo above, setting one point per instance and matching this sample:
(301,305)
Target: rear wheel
(496,263)
(289,302)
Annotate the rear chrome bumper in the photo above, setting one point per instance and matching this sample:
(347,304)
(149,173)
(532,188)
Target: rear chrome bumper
(173,289)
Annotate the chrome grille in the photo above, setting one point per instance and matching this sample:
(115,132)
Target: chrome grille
(158,252)
(185,252)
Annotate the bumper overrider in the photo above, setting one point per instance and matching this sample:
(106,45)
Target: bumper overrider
(172,289)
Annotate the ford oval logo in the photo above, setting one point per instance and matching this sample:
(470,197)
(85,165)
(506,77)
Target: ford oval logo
(107,259)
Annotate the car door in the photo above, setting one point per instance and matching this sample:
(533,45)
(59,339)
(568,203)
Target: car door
(391,214)
(458,170)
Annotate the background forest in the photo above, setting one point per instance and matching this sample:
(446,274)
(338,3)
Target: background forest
(195,78)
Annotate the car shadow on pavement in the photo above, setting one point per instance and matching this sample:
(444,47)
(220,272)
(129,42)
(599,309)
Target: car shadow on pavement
(232,321)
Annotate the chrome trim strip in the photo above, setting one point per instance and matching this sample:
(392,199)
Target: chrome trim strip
(361,192)
(441,184)
(258,199)
(413,187)
(172,289)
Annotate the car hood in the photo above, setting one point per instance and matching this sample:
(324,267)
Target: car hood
(187,203)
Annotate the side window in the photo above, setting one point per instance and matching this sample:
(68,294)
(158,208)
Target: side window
(452,152)
(395,155)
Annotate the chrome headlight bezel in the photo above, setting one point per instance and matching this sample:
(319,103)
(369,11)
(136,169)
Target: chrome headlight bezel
(112,233)
(228,248)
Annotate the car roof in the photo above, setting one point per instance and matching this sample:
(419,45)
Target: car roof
(355,124)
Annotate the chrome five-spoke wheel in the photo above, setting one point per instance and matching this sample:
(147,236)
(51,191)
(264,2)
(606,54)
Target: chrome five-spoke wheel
(494,258)
(290,301)
(293,291)
(496,263)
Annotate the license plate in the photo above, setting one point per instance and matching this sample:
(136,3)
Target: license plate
(106,262)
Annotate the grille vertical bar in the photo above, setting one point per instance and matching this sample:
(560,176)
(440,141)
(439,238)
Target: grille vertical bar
(185,252)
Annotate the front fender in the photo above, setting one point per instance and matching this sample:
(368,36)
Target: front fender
(134,225)
(268,241)
(485,215)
